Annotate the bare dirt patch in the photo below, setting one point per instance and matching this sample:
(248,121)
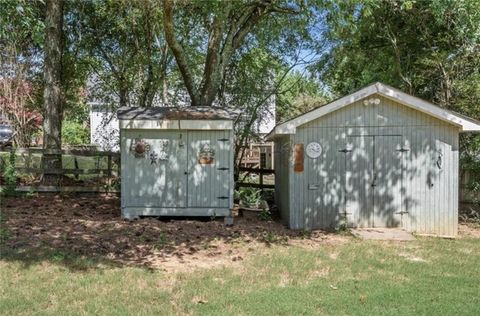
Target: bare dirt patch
(469,230)
(90,227)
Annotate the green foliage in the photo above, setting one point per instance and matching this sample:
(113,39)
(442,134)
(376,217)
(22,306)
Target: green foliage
(298,95)
(265,215)
(10,175)
(161,241)
(5,234)
(250,197)
(427,48)
(74,133)
(269,237)
(21,22)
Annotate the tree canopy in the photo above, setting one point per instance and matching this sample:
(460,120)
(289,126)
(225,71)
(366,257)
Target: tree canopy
(244,54)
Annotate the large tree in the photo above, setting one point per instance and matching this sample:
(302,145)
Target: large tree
(429,48)
(53,91)
(227,25)
(127,56)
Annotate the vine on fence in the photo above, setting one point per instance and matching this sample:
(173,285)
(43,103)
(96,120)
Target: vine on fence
(10,175)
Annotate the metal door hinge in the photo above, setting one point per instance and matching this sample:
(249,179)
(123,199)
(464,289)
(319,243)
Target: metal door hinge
(402,150)
(223,197)
(223,168)
(224,140)
(345,150)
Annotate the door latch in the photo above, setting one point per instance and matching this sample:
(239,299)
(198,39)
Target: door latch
(374,183)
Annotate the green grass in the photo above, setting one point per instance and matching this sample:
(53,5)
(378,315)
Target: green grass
(427,277)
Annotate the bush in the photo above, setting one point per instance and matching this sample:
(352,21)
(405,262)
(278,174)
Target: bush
(74,133)
(250,197)
(10,175)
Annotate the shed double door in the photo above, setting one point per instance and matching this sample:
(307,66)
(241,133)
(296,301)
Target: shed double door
(177,179)
(374,181)
(208,185)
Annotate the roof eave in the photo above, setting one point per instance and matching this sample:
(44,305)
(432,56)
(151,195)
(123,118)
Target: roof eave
(464,125)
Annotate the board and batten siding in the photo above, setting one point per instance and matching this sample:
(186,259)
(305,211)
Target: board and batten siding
(179,185)
(429,194)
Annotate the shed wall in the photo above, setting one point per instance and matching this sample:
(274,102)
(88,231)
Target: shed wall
(178,185)
(429,194)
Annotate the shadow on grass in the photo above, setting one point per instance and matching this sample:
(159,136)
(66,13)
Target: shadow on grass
(27,257)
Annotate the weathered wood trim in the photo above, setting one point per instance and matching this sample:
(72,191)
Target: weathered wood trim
(64,189)
(63,171)
(177,124)
(135,212)
(463,123)
(254,185)
(73,152)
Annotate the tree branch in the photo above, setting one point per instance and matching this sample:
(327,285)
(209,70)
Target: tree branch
(178,52)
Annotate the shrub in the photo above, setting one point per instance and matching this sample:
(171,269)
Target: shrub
(74,133)
(249,196)
(10,175)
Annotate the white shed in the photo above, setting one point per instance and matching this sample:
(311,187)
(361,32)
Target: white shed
(376,158)
(176,161)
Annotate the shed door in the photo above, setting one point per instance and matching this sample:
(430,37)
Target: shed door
(359,176)
(387,181)
(374,181)
(158,179)
(209,169)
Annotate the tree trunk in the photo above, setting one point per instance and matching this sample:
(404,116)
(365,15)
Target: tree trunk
(53,92)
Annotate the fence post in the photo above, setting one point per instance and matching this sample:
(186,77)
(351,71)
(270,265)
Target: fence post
(109,171)
(260,173)
(75,161)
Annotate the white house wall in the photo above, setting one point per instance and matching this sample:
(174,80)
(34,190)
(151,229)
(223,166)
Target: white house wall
(429,194)
(104,129)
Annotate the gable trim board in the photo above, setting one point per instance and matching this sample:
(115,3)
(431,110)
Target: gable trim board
(464,124)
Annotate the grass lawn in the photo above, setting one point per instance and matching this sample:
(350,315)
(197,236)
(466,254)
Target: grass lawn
(429,276)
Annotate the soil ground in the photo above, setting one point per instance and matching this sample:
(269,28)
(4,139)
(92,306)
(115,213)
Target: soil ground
(90,227)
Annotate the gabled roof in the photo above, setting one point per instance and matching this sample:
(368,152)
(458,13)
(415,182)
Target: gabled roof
(464,123)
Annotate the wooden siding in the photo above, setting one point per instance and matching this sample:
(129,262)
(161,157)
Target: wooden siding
(429,194)
(180,185)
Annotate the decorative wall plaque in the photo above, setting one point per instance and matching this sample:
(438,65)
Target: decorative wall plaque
(313,150)
(163,150)
(153,157)
(139,148)
(298,165)
(206,155)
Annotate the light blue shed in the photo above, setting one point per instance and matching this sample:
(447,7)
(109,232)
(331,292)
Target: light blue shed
(176,161)
(376,158)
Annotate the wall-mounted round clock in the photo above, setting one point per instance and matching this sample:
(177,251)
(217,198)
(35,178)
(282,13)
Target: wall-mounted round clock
(313,150)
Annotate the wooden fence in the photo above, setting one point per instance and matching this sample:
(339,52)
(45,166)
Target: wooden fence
(111,171)
(91,158)
(261,173)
